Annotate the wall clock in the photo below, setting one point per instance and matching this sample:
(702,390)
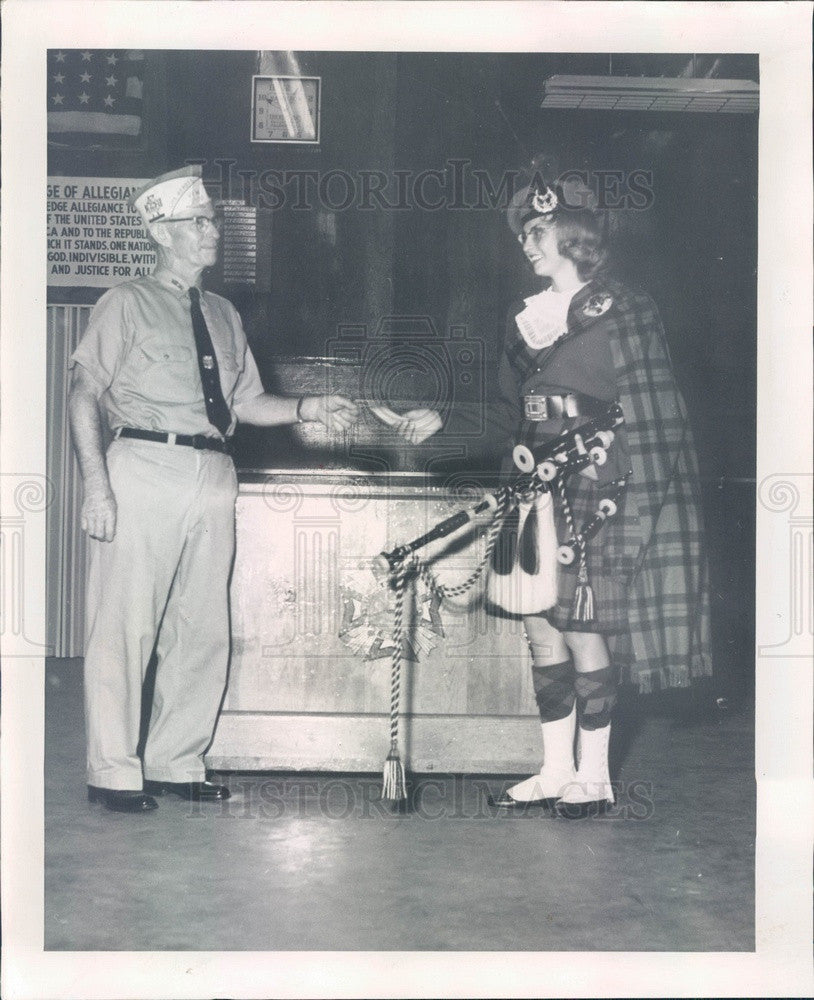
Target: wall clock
(286,109)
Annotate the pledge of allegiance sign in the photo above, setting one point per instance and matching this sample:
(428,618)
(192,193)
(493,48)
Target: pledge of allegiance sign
(94,238)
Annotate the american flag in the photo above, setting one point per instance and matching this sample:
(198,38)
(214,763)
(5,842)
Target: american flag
(95,93)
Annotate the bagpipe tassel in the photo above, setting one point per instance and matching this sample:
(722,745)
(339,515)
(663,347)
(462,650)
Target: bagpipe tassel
(530,586)
(394,783)
(583,609)
(505,550)
(528,543)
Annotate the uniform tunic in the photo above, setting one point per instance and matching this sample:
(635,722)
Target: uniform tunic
(163,580)
(646,566)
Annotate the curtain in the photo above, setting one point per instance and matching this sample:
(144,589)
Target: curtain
(65,547)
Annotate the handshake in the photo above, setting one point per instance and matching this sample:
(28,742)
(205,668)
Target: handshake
(339,413)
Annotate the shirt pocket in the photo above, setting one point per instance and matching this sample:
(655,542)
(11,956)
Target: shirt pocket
(170,372)
(229,370)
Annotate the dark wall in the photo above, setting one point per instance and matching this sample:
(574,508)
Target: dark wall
(328,264)
(457,267)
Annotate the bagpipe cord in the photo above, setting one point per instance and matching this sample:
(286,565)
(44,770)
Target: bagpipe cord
(394,784)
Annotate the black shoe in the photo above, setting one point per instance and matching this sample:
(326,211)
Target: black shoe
(122,800)
(192,791)
(508,804)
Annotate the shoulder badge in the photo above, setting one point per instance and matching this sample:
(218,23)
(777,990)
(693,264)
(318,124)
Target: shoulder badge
(597,305)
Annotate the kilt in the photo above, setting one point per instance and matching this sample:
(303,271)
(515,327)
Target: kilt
(646,565)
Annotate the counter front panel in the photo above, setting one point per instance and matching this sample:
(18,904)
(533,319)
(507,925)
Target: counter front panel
(312,627)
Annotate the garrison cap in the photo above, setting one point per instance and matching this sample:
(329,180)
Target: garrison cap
(177,194)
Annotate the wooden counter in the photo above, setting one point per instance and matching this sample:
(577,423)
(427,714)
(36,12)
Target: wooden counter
(310,677)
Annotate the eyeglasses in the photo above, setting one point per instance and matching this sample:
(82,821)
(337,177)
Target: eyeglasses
(201,221)
(535,233)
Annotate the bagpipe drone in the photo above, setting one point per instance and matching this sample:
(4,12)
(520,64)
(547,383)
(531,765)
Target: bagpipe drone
(521,545)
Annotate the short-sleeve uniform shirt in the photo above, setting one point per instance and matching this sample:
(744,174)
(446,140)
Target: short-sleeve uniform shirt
(140,348)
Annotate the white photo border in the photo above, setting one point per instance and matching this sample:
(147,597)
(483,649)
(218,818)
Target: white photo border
(781,34)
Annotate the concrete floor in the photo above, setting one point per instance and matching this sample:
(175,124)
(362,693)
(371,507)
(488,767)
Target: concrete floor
(315,862)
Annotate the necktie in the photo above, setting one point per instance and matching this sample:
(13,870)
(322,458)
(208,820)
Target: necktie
(216,409)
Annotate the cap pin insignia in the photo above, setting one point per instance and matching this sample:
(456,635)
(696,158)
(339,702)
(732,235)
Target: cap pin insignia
(153,205)
(544,202)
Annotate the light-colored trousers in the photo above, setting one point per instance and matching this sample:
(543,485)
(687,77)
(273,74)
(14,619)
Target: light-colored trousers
(165,575)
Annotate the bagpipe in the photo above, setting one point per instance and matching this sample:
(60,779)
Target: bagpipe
(541,468)
(521,545)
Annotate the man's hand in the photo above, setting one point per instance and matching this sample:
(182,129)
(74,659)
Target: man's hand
(337,412)
(417,425)
(99,505)
(99,514)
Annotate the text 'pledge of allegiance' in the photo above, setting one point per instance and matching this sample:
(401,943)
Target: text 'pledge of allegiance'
(94,238)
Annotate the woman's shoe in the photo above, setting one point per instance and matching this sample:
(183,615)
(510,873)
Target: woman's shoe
(557,773)
(590,793)
(509,804)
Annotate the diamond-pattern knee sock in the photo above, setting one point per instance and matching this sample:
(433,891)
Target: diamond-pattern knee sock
(554,690)
(596,697)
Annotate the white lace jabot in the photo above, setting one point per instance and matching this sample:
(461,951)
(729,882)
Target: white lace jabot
(545,318)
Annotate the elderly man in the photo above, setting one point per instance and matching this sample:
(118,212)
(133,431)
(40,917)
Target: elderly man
(169,367)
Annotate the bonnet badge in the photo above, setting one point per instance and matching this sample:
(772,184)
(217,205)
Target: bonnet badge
(544,202)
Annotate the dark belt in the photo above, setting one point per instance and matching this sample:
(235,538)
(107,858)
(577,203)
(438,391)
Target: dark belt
(570,404)
(199,441)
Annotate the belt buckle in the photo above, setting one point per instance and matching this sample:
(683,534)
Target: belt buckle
(199,442)
(536,407)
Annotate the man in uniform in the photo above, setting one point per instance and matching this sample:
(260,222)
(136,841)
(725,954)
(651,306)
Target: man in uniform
(169,368)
